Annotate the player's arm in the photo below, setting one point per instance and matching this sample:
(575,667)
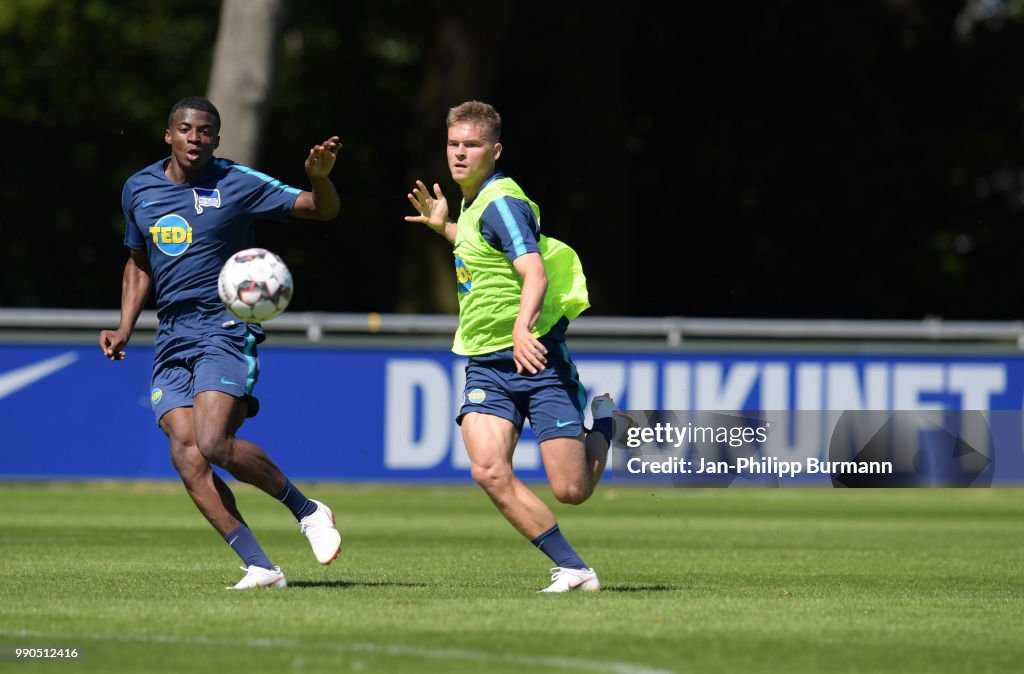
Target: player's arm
(322,203)
(135,285)
(527,351)
(509,225)
(433,210)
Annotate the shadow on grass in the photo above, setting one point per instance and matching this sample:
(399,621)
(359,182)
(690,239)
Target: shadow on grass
(350,583)
(638,588)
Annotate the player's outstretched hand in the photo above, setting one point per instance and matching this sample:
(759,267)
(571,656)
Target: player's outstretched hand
(112,344)
(321,158)
(433,211)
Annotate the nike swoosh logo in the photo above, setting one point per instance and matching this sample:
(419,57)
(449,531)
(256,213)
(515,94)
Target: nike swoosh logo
(228,382)
(150,203)
(563,424)
(23,377)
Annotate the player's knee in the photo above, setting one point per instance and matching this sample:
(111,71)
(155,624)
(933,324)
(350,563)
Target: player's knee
(216,450)
(187,460)
(491,477)
(571,493)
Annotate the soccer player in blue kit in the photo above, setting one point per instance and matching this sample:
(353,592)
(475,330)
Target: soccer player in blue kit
(185,215)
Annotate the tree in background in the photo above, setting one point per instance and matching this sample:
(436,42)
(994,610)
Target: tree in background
(242,76)
(855,160)
(459,64)
(86,90)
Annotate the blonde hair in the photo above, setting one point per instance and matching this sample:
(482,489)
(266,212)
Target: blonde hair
(479,113)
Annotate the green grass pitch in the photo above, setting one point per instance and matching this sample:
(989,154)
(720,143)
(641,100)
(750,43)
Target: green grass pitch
(431,579)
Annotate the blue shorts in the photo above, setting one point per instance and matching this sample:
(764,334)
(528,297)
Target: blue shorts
(553,399)
(192,358)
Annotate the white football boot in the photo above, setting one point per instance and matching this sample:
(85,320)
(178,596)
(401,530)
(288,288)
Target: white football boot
(257,576)
(567,580)
(322,533)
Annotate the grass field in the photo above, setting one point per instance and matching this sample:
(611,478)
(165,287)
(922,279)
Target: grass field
(432,580)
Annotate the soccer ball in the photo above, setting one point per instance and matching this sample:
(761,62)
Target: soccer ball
(255,285)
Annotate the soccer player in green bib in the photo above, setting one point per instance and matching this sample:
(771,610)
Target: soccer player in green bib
(518,290)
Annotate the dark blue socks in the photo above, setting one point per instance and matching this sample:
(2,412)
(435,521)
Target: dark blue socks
(295,500)
(553,544)
(244,544)
(605,426)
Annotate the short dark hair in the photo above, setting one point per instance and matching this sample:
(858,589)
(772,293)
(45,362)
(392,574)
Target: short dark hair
(194,103)
(477,112)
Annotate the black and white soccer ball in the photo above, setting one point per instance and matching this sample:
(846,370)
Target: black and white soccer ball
(255,285)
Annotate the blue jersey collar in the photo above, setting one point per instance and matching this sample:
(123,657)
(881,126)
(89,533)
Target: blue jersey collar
(494,176)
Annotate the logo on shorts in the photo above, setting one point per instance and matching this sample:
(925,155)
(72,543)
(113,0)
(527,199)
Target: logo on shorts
(156,396)
(476,396)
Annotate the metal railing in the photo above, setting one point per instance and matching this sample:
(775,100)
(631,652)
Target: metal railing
(673,330)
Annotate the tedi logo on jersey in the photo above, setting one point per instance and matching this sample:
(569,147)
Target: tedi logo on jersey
(172,234)
(208,198)
(465,282)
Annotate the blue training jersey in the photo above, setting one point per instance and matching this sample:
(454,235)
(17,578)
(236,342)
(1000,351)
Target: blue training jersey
(189,230)
(509,225)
